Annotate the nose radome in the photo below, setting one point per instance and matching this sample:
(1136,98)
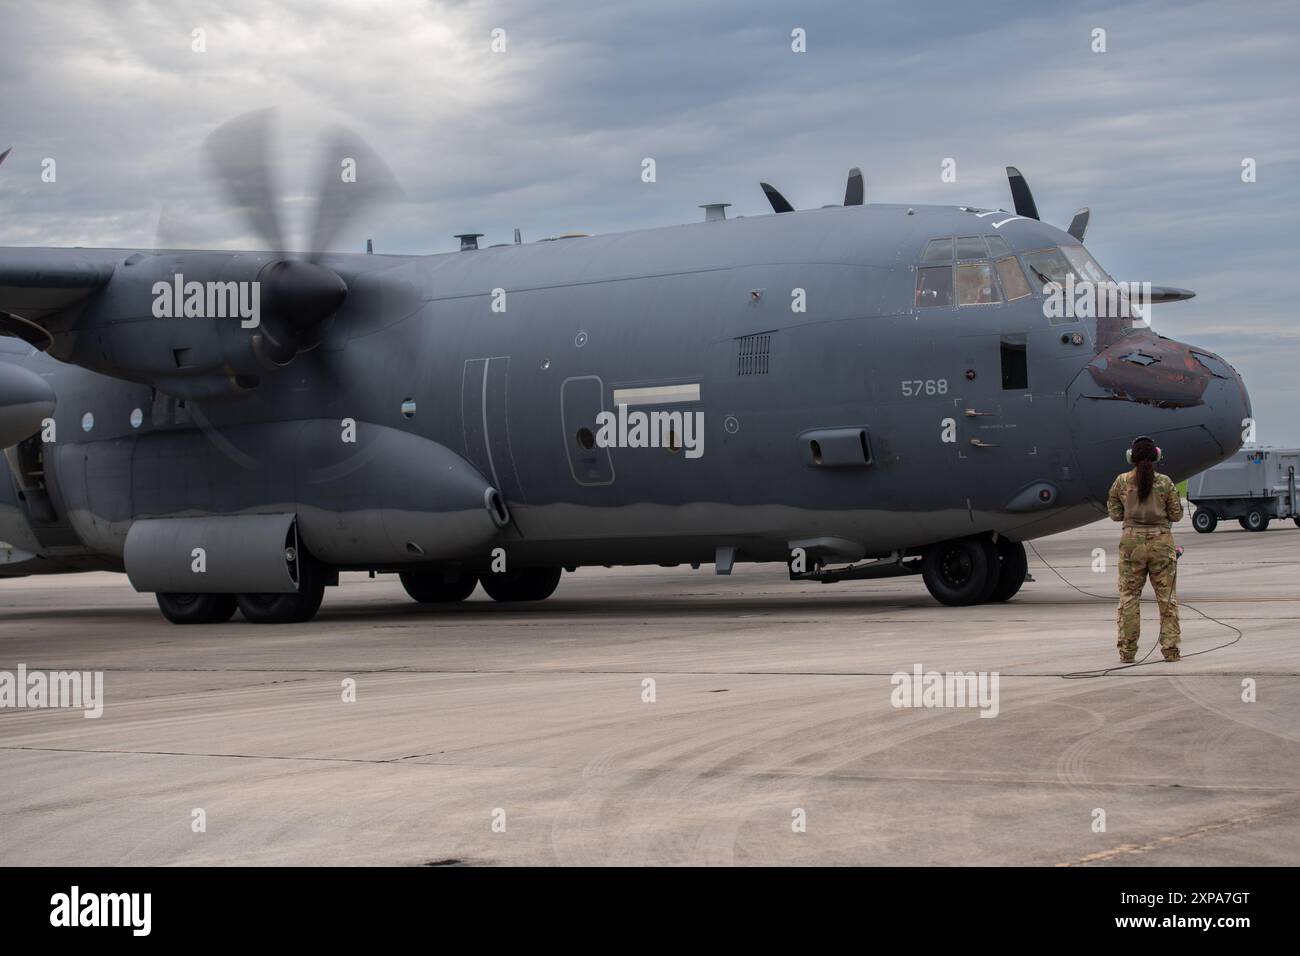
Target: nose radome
(1192,402)
(1227,406)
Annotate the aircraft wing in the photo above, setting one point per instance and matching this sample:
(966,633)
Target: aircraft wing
(38,284)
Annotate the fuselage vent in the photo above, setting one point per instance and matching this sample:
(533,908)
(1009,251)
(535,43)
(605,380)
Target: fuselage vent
(753,354)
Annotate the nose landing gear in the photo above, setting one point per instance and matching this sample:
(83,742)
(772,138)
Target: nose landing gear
(1012,570)
(967,571)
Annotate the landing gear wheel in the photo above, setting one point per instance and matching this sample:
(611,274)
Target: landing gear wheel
(435,585)
(524,584)
(962,572)
(197,608)
(1256,520)
(1013,567)
(1205,520)
(294,607)
(1242,522)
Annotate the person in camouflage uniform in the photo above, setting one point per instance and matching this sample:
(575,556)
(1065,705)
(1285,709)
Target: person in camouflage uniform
(1146,548)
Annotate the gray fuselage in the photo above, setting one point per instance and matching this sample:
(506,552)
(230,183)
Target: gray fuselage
(454,388)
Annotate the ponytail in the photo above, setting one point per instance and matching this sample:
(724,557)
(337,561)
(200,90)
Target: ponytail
(1144,460)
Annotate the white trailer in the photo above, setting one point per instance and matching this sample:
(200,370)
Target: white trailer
(1254,486)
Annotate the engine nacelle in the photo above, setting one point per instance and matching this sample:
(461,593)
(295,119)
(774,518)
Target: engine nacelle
(26,400)
(201,325)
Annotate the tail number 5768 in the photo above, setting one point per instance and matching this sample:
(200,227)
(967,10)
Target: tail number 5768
(924,386)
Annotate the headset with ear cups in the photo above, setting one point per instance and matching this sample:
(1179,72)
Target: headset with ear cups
(1128,452)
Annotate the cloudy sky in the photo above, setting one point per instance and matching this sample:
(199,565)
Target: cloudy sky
(549,135)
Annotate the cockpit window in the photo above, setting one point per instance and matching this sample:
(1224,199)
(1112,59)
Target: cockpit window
(934,286)
(938,250)
(997,246)
(1049,265)
(1013,279)
(975,284)
(971,247)
(1085,265)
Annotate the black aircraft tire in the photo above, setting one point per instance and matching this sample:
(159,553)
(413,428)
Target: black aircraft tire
(1012,570)
(1205,520)
(523,584)
(197,608)
(1256,520)
(429,585)
(961,572)
(294,607)
(1242,521)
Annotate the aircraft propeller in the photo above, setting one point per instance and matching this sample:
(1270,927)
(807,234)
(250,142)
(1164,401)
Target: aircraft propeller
(298,292)
(854,193)
(1025,206)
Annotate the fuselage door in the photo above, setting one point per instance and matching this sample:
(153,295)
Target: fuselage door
(582,399)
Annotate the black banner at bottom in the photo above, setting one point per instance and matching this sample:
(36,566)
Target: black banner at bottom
(336,905)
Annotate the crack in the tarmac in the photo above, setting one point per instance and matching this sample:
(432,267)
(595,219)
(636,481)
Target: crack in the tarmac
(189,753)
(1126,849)
(640,671)
(767,774)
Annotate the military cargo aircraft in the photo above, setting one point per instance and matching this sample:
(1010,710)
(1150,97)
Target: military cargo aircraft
(859,391)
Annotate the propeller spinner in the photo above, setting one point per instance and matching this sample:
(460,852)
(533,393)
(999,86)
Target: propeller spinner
(299,292)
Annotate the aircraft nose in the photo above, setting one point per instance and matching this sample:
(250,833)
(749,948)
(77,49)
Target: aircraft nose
(1191,401)
(1227,409)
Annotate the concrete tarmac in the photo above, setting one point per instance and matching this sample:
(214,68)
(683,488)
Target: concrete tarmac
(520,734)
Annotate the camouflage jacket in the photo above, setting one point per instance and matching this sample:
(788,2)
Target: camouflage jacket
(1161,508)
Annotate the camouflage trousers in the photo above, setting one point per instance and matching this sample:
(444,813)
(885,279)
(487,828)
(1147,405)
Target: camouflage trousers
(1147,553)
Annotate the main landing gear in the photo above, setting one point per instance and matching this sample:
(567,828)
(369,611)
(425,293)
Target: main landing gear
(968,571)
(197,608)
(432,584)
(295,607)
(521,584)
(436,585)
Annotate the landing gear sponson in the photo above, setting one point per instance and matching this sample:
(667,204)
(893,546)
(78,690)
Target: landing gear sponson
(259,566)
